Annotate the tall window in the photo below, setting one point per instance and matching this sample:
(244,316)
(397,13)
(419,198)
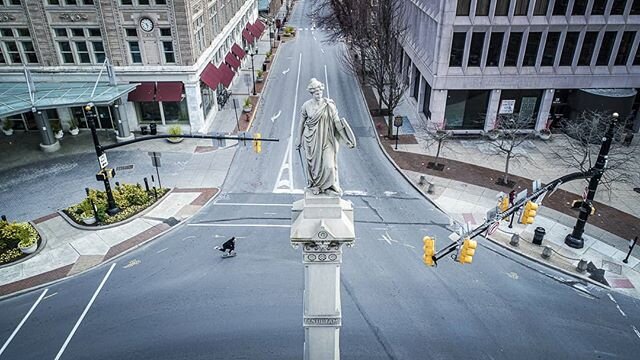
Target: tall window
(579,7)
(457,48)
(426,99)
(541,7)
(588,47)
(475,49)
(482,7)
(531,50)
(134,51)
(169,56)
(636,59)
(495,49)
(214,17)
(71,2)
(598,7)
(618,7)
(80,45)
(10,2)
(605,49)
(550,49)
(16,46)
(560,8)
(513,49)
(635,8)
(569,48)
(502,7)
(199,33)
(522,6)
(625,48)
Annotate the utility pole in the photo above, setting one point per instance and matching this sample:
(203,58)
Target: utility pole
(574,239)
(91,116)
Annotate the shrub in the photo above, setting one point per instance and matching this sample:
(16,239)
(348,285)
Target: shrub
(259,73)
(268,54)
(174,130)
(14,233)
(247,102)
(10,255)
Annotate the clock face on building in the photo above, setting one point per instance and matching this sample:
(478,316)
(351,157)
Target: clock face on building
(146,24)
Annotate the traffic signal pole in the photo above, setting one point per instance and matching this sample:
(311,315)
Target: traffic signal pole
(575,239)
(112,208)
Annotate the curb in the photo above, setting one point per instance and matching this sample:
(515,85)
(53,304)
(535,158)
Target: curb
(112,259)
(264,89)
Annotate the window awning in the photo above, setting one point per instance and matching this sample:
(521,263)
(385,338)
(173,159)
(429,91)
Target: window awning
(231,60)
(169,91)
(254,30)
(145,92)
(211,76)
(237,51)
(259,25)
(226,75)
(15,99)
(246,34)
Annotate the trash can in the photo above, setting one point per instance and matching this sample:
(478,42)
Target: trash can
(264,67)
(538,235)
(153,129)
(143,130)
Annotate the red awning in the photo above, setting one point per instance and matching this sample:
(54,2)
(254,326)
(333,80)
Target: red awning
(259,25)
(144,92)
(231,60)
(226,75)
(246,34)
(254,30)
(210,76)
(237,51)
(169,91)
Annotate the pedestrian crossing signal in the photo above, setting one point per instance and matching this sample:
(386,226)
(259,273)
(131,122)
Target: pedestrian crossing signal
(429,250)
(257,143)
(468,249)
(529,213)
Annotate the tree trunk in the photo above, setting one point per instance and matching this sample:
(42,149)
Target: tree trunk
(438,152)
(390,127)
(505,179)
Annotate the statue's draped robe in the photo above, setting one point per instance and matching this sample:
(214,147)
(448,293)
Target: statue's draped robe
(320,142)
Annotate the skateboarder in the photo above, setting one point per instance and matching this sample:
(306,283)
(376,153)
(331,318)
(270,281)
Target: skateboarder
(229,245)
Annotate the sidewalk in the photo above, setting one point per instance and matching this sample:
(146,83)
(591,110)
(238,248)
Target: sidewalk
(466,189)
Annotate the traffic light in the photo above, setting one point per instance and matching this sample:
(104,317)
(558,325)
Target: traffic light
(504,204)
(529,213)
(105,173)
(257,144)
(429,250)
(468,249)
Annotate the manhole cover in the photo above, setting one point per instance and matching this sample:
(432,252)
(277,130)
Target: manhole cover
(612,267)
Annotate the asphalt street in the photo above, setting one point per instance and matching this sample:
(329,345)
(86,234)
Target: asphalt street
(176,298)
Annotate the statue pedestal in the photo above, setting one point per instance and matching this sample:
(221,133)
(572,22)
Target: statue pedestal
(322,224)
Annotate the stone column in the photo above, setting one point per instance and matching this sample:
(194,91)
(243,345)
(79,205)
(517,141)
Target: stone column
(49,142)
(194,100)
(492,110)
(322,224)
(438,106)
(545,108)
(124,132)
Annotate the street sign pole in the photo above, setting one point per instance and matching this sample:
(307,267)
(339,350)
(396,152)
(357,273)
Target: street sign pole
(112,208)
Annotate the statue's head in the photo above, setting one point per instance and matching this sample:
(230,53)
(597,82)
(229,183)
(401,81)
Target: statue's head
(315,87)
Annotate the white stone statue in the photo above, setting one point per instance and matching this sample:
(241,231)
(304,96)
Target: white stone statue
(320,131)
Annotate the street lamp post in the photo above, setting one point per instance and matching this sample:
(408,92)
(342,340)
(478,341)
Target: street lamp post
(112,208)
(574,239)
(252,53)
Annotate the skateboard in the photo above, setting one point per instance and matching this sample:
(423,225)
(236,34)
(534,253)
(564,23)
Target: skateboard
(226,255)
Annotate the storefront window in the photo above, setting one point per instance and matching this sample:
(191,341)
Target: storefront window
(208,98)
(175,112)
(16,121)
(149,112)
(466,109)
(524,102)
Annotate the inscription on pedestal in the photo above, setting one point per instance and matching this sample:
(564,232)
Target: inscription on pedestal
(322,321)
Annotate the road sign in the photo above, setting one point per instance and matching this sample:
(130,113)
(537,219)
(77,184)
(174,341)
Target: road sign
(493,228)
(536,185)
(155,161)
(103,161)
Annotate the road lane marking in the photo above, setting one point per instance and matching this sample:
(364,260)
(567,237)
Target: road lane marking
(321,49)
(24,319)
(326,81)
(132,263)
(84,313)
(188,237)
(240,225)
(162,250)
(274,117)
(636,331)
(254,204)
(285,72)
(50,296)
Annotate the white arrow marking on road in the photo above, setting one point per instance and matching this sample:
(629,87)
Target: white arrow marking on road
(188,237)
(50,295)
(636,331)
(389,193)
(24,319)
(285,72)
(274,117)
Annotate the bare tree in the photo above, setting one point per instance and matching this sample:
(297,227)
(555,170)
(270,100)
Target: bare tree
(582,148)
(431,134)
(512,131)
(377,32)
